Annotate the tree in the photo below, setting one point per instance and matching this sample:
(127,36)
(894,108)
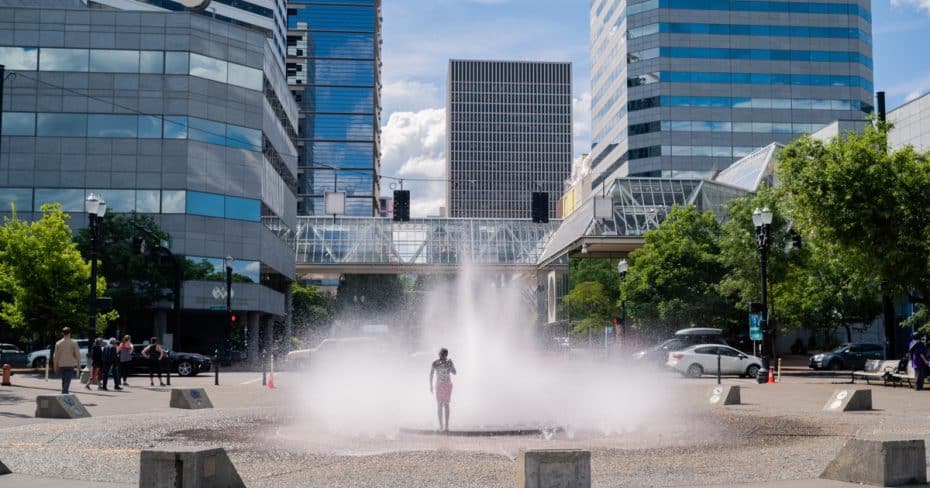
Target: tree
(134,281)
(591,302)
(672,280)
(45,280)
(312,309)
(601,270)
(870,202)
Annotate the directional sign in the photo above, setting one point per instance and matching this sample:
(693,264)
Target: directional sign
(755,326)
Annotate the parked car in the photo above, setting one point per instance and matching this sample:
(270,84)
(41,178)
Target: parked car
(332,348)
(698,360)
(182,363)
(682,339)
(11,354)
(851,355)
(38,359)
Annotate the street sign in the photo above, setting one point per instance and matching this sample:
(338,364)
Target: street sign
(755,326)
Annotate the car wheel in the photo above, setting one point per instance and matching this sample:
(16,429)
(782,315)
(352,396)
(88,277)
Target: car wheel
(752,371)
(185,368)
(39,363)
(694,371)
(834,365)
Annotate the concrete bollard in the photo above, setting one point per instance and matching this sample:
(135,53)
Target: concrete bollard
(190,398)
(880,461)
(724,395)
(553,468)
(60,407)
(3,469)
(188,467)
(7,371)
(849,399)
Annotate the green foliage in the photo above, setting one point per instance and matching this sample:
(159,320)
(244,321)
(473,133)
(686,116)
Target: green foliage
(590,303)
(871,202)
(603,271)
(312,308)
(134,281)
(381,293)
(43,278)
(672,281)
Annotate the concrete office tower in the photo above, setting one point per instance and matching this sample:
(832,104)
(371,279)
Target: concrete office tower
(170,114)
(334,71)
(685,87)
(266,16)
(911,124)
(508,134)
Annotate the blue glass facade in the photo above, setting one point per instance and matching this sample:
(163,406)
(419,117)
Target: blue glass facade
(685,87)
(333,70)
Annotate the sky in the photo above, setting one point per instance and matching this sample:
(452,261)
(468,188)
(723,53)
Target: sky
(420,36)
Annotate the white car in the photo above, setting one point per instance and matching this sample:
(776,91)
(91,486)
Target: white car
(38,359)
(698,360)
(331,348)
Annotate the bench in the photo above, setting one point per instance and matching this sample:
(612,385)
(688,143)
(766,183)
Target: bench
(877,370)
(908,376)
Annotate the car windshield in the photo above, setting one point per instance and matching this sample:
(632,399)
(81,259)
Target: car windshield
(840,348)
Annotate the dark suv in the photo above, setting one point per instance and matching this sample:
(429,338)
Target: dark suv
(852,355)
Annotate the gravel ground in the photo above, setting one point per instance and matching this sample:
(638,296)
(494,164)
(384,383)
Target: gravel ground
(783,435)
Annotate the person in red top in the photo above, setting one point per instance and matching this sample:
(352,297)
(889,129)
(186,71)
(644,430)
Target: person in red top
(443,368)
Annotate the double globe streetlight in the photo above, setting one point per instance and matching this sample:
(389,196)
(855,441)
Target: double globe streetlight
(762,219)
(96,208)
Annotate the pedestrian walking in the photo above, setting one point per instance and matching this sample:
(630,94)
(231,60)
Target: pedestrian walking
(125,355)
(918,352)
(154,353)
(111,365)
(67,358)
(442,368)
(95,354)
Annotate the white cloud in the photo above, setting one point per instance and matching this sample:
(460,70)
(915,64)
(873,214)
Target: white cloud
(409,95)
(921,4)
(413,146)
(911,88)
(581,123)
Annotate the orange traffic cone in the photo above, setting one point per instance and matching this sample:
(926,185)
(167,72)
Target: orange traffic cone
(271,376)
(771,376)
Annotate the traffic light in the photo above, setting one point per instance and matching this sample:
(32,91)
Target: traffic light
(401,205)
(232,318)
(540,209)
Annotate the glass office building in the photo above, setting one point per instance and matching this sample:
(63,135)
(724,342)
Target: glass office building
(508,134)
(333,69)
(682,88)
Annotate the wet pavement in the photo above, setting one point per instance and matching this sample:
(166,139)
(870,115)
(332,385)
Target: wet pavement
(780,433)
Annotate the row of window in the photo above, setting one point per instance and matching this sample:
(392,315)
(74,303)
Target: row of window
(797,7)
(130,61)
(749,30)
(214,269)
(511,118)
(355,207)
(748,79)
(694,151)
(338,127)
(355,182)
(340,45)
(465,157)
(355,18)
(333,99)
(142,201)
(747,102)
(719,126)
(510,128)
(131,126)
(506,108)
(749,54)
(512,87)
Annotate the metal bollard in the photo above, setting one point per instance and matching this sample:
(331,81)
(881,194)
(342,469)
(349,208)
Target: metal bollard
(6,375)
(264,370)
(718,366)
(169,372)
(216,364)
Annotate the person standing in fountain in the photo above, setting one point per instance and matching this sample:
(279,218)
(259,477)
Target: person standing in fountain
(442,368)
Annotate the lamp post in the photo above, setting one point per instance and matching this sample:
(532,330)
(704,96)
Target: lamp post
(229,269)
(762,219)
(622,268)
(96,208)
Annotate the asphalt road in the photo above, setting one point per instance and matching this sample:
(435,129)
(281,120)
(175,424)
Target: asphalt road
(780,433)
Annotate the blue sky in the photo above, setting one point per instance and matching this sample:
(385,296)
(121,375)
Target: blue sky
(420,36)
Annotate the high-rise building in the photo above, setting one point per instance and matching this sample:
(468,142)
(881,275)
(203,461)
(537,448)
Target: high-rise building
(267,16)
(172,114)
(686,87)
(508,134)
(333,69)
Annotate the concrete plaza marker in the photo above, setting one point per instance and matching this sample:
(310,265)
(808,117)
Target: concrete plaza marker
(724,395)
(3,469)
(190,398)
(880,461)
(60,407)
(553,468)
(189,468)
(849,399)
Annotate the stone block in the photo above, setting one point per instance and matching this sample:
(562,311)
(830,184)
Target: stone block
(3,469)
(553,468)
(880,462)
(724,395)
(849,399)
(60,407)
(188,467)
(190,398)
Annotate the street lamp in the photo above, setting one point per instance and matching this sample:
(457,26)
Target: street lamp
(96,208)
(622,268)
(762,219)
(229,269)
